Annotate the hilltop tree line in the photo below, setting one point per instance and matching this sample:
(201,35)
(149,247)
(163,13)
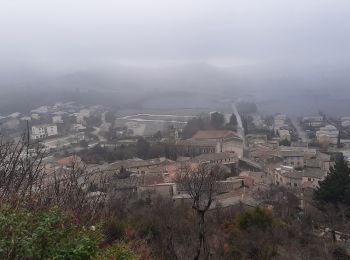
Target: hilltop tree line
(142,149)
(216,121)
(145,149)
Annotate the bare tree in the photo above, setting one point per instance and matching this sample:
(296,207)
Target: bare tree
(173,224)
(23,178)
(200,183)
(21,169)
(71,189)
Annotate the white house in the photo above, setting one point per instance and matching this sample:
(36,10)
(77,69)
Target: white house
(57,119)
(329,133)
(81,115)
(314,121)
(284,135)
(35,116)
(43,131)
(345,123)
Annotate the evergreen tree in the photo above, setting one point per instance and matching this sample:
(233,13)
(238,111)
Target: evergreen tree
(233,120)
(338,141)
(217,120)
(284,142)
(232,125)
(142,148)
(335,188)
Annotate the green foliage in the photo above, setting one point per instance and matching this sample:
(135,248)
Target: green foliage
(47,234)
(94,120)
(101,154)
(335,188)
(253,234)
(84,144)
(261,218)
(114,229)
(110,117)
(142,148)
(194,125)
(53,234)
(234,253)
(232,125)
(284,142)
(233,120)
(158,135)
(340,253)
(266,253)
(118,251)
(217,120)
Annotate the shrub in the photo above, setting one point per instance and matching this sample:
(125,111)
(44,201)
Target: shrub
(44,234)
(117,251)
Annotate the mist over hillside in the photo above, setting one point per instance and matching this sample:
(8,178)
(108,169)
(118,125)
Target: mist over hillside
(172,86)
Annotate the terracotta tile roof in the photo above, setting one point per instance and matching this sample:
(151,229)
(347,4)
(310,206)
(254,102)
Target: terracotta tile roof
(194,142)
(215,156)
(313,173)
(134,163)
(66,161)
(151,179)
(212,134)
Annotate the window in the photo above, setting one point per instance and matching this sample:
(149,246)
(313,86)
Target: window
(309,179)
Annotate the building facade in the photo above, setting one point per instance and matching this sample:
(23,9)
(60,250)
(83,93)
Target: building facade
(43,131)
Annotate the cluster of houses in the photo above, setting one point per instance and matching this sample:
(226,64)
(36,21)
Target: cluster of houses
(212,141)
(325,133)
(246,161)
(222,147)
(145,178)
(281,127)
(295,167)
(300,167)
(56,126)
(154,177)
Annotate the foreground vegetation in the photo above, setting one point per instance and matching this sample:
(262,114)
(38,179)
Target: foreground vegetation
(60,219)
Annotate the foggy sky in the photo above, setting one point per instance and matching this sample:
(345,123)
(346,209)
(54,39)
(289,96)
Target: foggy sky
(260,33)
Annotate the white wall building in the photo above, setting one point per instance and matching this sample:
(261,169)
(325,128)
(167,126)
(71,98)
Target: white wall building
(284,135)
(314,121)
(81,115)
(329,132)
(57,119)
(35,116)
(279,122)
(43,131)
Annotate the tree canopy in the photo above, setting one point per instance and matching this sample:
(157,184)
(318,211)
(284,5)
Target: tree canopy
(232,124)
(335,188)
(217,120)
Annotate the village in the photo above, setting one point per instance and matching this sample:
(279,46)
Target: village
(141,154)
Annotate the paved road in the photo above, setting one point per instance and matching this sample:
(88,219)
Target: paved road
(102,128)
(240,129)
(301,133)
